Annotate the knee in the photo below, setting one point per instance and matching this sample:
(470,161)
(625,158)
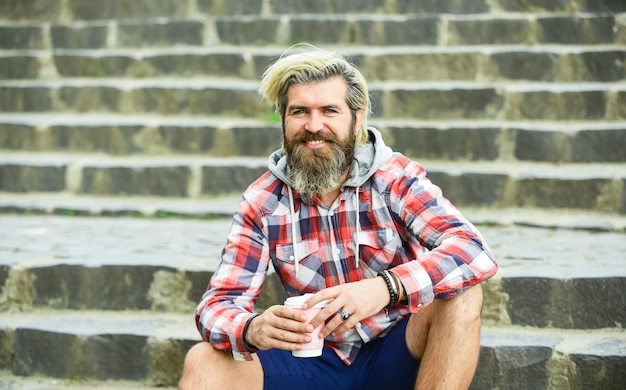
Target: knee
(196,357)
(467,307)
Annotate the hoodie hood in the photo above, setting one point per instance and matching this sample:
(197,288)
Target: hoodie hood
(367,159)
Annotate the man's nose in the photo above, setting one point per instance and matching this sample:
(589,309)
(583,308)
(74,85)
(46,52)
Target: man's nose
(314,123)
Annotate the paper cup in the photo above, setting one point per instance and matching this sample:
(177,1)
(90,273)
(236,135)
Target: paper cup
(314,348)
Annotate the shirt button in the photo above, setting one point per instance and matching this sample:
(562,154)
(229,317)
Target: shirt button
(358,325)
(420,305)
(331,213)
(337,251)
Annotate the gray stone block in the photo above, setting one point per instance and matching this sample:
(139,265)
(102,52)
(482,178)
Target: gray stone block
(232,179)
(187,65)
(161,34)
(558,105)
(576,30)
(417,30)
(59,355)
(27,10)
(473,189)
(319,31)
(108,139)
(560,193)
(535,5)
(598,368)
(248,31)
(147,181)
(514,367)
(446,144)
(566,303)
(600,65)
(25,178)
(327,6)
(19,67)
(525,66)
(25,99)
(68,65)
(488,31)
(87,99)
(599,145)
(18,137)
(21,37)
(453,103)
(435,6)
(602,5)
(121,9)
(79,37)
(435,66)
(227,7)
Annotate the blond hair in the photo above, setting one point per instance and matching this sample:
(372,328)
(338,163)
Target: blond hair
(311,66)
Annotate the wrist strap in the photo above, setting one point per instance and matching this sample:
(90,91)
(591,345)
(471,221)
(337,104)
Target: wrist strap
(245,329)
(393,289)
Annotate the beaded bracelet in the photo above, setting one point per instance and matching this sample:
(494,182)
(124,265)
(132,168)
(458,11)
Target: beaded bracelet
(393,292)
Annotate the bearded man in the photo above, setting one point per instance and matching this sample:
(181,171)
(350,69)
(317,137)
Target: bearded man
(341,216)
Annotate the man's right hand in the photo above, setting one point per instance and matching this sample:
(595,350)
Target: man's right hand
(279,327)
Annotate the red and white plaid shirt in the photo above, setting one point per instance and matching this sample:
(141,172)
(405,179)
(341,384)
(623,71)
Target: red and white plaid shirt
(405,225)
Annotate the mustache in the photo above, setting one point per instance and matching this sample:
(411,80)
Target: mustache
(319,136)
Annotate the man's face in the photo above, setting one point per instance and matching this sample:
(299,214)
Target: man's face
(319,135)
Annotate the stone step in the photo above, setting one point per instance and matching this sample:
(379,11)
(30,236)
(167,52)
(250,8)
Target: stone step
(478,140)
(322,29)
(578,186)
(470,63)
(63,11)
(163,265)
(149,349)
(391,100)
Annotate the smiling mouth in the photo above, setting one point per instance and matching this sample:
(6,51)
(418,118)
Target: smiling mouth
(315,142)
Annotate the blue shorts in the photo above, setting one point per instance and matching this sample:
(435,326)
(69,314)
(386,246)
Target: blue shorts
(384,363)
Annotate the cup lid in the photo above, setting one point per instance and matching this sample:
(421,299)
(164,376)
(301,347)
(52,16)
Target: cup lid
(297,301)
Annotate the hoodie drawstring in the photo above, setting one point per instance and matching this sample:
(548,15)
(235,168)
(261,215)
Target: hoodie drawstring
(358,228)
(296,260)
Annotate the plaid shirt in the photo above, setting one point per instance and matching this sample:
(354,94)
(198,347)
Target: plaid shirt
(405,225)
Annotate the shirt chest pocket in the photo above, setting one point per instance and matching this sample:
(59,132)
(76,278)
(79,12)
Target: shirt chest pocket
(310,275)
(379,249)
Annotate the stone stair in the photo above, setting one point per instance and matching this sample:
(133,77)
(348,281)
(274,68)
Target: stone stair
(149,109)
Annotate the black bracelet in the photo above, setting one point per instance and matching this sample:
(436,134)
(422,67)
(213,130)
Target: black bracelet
(245,329)
(393,294)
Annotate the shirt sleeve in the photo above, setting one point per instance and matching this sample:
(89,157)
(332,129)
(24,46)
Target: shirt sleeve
(457,256)
(235,286)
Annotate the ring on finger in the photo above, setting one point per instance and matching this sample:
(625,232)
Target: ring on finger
(344,315)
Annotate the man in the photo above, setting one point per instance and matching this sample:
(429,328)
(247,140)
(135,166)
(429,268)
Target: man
(340,215)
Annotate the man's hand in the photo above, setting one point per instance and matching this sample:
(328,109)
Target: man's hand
(279,327)
(361,299)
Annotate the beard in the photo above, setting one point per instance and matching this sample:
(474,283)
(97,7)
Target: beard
(319,171)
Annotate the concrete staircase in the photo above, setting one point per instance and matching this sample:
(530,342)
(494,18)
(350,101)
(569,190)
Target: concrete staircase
(127,110)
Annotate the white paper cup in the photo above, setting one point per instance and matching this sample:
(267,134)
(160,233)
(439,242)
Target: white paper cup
(315,347)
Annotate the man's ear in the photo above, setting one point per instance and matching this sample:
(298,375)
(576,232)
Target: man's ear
(358,121)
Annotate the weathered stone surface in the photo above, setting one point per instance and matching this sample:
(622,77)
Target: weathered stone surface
(415,30)
(228,179)
(24,99)
(525,66)
(248,31)
(26,10)
(88,99)
(535,5)
(445,144)
(602,5)
(108,139)
(24,178)
(451,103)
(188,65)
(318,31)
(19,67)
(422,66)
(121,9)
(600,65)
(155,181)
(68,65)
(228,7)
(568,303)
(488,31)
(435,6)
(159,34)
(599,367)
(576,30)
(470,188)
(119,356)
(256,141)
(79,37)
(21,37)
(599,146)
(560,193)
(17,137)
(558,105)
